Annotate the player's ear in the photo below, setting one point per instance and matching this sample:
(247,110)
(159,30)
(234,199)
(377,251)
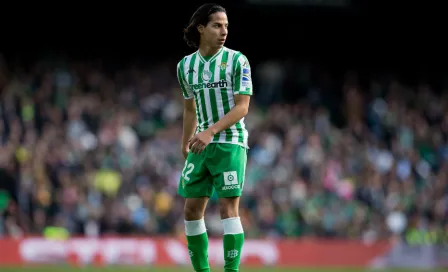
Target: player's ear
(201,29)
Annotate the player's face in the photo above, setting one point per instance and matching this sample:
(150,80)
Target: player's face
(215,33)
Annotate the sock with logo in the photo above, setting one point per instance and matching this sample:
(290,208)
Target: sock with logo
(197,239)
(233,243)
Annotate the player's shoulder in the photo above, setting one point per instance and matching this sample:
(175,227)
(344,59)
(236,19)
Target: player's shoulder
(235,53)
(185,58)
(237,56)
(231,51)
(238,59)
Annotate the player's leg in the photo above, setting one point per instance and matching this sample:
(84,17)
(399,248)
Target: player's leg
(196,233)
(233,233)
(196,187)
(227,165)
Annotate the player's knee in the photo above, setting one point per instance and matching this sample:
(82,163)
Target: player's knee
(228,207)
(194,209)
(193,213)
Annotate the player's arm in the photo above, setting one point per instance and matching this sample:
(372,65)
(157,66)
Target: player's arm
(189,118)
(189,124)
(240,110)
(242,90)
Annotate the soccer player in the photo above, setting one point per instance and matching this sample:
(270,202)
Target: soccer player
(216,85)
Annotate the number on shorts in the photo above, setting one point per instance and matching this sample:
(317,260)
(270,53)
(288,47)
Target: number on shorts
(188,168)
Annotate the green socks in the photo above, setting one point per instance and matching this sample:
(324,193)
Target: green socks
(197,244)
(233,243)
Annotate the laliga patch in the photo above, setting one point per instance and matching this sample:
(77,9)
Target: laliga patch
(246,74)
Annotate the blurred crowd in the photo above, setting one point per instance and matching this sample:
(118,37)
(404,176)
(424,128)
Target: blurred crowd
(97,152)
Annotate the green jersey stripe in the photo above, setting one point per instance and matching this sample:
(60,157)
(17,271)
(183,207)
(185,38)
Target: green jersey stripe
(207,78)
(214,102)
(226,135)
(191,79)
(190,71)
(203,102)
(236,86)
(225,96)
(214,83)
(234,134)
(181,79)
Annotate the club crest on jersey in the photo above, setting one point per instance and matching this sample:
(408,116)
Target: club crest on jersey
(223,65)
(206,75)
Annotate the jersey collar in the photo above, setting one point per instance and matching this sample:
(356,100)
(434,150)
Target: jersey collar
(212,58)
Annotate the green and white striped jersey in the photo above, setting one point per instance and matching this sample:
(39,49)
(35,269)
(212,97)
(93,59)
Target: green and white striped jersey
(212,83)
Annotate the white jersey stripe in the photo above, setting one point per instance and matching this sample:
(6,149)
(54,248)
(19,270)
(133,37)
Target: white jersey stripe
(214,82)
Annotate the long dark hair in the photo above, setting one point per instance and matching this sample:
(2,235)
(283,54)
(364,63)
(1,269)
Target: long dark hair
(200,17)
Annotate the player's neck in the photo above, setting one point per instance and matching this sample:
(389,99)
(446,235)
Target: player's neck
(208,51)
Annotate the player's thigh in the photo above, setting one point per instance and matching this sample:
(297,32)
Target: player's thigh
(195,180)
(227,165)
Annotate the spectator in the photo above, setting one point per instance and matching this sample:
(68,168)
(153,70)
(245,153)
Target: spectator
(97,153)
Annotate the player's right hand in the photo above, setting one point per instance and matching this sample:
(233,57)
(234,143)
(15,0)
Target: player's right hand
(185,151)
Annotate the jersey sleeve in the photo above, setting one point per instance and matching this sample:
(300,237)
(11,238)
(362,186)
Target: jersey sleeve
(186,90)
(242,79)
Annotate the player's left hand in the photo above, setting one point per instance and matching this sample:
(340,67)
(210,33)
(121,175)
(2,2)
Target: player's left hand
(199,141)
